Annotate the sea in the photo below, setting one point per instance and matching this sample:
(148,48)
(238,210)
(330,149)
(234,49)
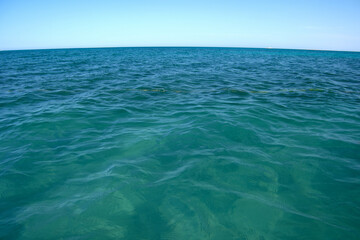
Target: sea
(179,143)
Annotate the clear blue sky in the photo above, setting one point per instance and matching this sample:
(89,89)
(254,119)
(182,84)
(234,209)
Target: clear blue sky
(305,24)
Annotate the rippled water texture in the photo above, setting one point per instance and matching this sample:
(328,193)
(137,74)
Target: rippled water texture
(179,143)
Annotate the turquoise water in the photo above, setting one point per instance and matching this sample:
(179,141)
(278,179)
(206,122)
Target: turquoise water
(179,143)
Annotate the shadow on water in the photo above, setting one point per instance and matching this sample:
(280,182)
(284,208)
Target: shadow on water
(11,232)
(147,223)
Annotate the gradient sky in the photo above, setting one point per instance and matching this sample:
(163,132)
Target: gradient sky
(303,24)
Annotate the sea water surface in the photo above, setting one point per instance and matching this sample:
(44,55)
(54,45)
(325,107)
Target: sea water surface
(179,143)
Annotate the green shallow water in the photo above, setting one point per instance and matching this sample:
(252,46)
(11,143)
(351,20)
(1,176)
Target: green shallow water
(179,143)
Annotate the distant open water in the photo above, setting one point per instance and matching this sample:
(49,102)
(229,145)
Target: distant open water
(179,143)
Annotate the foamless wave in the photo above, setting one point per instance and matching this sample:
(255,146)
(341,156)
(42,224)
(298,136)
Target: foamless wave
(179,143)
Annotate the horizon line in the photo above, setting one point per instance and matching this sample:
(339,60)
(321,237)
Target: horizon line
(269,48)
